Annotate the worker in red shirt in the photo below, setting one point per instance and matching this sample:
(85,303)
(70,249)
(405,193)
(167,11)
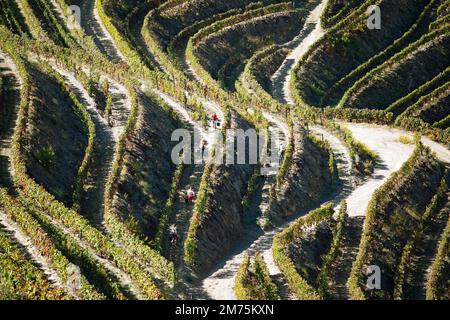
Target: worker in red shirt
(214,120)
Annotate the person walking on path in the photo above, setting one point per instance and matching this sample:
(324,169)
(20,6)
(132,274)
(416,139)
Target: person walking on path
(204,144)
(173,234)
(190,195)
(214,120)
(281,156)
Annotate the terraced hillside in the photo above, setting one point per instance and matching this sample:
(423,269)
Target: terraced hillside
(123,173)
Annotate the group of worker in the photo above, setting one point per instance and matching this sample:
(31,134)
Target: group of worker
(189,195)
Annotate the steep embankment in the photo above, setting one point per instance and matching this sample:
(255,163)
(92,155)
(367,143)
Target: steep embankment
(148,168)
(56,138)
(10,99)
(218,222)
(396,212)
(308,180)
(425,251)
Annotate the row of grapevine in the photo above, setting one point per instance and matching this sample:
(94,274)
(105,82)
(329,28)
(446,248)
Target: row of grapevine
(33,23)
(374,216)
(430,211)
(44,244)
(253,282)
(426,102)
(336,10)
(11,17)
(436,281)
(442,124)
(368,77)
(443,15)
(323,279)
(363,159)
(19,278)
(298,285)
(53,28)
(402,104)
(413,34)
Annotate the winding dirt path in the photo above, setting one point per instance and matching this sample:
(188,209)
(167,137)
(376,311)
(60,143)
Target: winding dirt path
(93,26)
(392,153)
(312,31)
(219,285)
